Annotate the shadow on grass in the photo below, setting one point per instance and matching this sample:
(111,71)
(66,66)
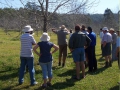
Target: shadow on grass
(7,75)
(61,85)
(100,70)
(15,87)
(115,87)
(67,73)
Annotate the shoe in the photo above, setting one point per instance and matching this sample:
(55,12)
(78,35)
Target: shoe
(63,65)
(49,84)
(106,64)
(59,64)
(90,71)
(35,83)
(21,83)
(44,86)
(94,70)
(75,78)
(83,77)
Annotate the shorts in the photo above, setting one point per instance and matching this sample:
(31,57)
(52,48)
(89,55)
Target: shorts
(106,50)
(78,54)
(63,50)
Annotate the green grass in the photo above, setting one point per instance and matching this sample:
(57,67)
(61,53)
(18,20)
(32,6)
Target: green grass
(103,79)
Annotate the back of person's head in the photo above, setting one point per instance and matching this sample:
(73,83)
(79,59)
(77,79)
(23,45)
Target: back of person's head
(89,28)
(100,29)
(83,27)
(70,30)
(77,28)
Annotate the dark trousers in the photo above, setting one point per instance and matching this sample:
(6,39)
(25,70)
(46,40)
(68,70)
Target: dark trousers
(92,62)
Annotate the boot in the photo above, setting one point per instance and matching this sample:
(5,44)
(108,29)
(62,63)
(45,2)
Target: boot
(110,63)
(106,64)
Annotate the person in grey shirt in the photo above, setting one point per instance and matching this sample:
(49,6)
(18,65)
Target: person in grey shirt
(62,42)
(114,39)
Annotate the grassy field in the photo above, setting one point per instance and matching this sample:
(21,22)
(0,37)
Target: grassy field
(103,79)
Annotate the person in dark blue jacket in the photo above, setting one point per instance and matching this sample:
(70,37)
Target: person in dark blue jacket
(92,62)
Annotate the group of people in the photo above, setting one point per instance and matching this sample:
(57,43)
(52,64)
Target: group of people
(109,45)
(81,45)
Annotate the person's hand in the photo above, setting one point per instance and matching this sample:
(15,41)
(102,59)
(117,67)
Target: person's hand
(53,29)
(71,50)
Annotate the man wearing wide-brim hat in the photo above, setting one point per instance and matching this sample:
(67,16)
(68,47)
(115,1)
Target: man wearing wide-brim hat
(114,38)
(106,46)
(62,42)
(26,55)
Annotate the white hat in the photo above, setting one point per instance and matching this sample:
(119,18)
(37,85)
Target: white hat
(45,37)
(27,28)
(105,28)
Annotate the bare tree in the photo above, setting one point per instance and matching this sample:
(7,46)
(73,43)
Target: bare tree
(49,7)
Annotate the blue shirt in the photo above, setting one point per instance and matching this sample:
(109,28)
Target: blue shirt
(92,36)
(45,48)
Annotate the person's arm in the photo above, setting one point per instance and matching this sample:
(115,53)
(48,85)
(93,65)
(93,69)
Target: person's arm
(53,30)
(35,50)
(104,43)
(55,48)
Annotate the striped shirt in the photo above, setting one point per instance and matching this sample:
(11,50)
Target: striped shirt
(26,45)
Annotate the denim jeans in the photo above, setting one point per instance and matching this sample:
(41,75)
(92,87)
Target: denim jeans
(114,52)
(30,62)
(46,69)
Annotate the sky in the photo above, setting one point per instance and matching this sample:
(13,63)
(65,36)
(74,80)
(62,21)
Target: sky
(97,8)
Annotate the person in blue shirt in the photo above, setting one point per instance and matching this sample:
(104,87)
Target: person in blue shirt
(45,57)
(92,62)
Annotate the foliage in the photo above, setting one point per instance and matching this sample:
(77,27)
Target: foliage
(103,79)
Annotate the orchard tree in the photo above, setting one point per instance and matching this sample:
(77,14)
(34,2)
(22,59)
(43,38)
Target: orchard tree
(50,7)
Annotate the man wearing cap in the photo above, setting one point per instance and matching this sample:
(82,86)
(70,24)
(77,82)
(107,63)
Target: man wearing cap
(62,42)
(106,47)
(114,38)
(26,55)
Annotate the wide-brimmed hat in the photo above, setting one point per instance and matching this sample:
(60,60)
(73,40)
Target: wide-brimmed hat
(105,29)
(112,29)
(45,37)
(27,28)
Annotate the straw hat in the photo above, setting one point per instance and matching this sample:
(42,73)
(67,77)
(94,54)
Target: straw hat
(112,29)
